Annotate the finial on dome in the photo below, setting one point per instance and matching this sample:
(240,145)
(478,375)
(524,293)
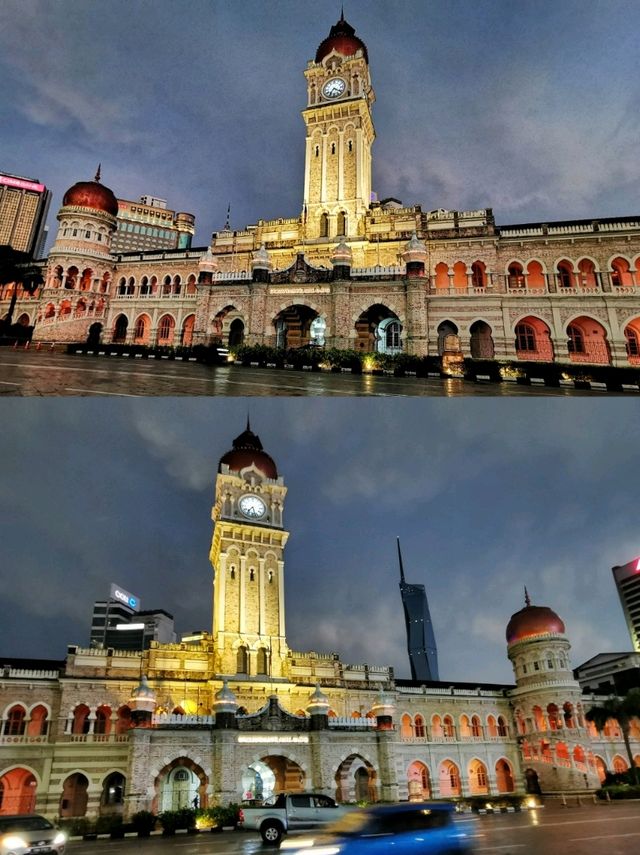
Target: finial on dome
(97,178)
(248,422)
(527,598)
(227,226)
(342,11)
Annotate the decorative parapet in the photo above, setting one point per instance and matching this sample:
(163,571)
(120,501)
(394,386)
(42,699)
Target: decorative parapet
(452,691)
(344,723)
(231,276)
(174,720)
(378,270)
(31,674)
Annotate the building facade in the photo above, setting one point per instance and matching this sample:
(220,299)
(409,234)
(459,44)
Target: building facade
(350,272)
(24,205)
(148,224)
(236,713)
(627,579)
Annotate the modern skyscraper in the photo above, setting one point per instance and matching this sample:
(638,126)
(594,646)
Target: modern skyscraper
(24,204)
(421,641)
(627,579)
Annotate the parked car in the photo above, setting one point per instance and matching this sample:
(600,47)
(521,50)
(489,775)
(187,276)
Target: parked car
(286,812)
(410,828)
(29,833)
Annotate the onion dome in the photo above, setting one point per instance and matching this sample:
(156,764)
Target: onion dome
(92,194)
(342,255)
(318,703)
(207,263)
(247,450)
(260,259)
(224,701)
(532,621)
(143,698)
(415,251)
(342,38)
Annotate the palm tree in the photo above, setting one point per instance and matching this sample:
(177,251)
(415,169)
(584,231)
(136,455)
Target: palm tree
(17,267)
(622,710)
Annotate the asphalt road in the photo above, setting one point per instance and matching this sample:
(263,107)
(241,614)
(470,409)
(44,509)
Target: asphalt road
(41,373)
(614,829)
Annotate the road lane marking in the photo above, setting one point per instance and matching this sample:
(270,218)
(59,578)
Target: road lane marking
(97,392)
(607,836)
(8,383)
(502,846)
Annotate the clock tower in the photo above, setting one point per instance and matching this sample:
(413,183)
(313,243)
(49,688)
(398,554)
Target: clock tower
(340,133)
(248,565)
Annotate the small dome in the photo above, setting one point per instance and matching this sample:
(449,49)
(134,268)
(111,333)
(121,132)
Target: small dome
(92,194)
(247,450)
(415,250)
(318,703)
(224,701)
(532,621)
(208,263)
(342,256)
(341,38)
(143,698)
(261,260)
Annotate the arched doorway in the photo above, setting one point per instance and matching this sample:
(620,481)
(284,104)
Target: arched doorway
(74,795)
(18,791)
(378,330)
(236,332)
(418,781)
(532,783)
(478,779)
(258,782)
(112,798)
(448,340)
(186,339)
(481,343)
(288,776)
(120,329)
(356,780)
(601,768)
(179,784)
(504,777)
(632,341)
(293,326)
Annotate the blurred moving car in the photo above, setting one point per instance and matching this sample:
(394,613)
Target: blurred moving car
(288,812)
(411,828)
(29,833)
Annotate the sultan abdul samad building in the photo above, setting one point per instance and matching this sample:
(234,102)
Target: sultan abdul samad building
(240,714)
(349,272)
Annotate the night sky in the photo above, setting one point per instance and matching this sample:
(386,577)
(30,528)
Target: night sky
(529,107)
(486,495)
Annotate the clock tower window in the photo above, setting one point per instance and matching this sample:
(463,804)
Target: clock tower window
(324,225)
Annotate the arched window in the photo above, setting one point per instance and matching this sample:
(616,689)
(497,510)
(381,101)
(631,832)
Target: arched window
(144,286)
(447,727)
(262,661)
(476,727)
(419,727)
(576,339)
(103,720)
(122,286)
(393,335)
(342,224)
(165,329)
(242,662)
(525,337)
(633,342)
(565,274)
(516,275)
(503,730)
(14,723)
(478,275)
(324,225)
(333,148)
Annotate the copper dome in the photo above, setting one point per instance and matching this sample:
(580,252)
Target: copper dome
(342,38)
(531,621)
(247,449)
(92,194)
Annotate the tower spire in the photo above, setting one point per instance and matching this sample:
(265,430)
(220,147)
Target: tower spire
(400,560)
(97,178)
(527,598)
(227,226)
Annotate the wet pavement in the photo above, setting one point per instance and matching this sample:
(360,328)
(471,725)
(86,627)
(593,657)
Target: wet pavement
(612,828)
(41,373)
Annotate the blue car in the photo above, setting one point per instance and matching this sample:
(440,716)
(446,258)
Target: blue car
(411,828)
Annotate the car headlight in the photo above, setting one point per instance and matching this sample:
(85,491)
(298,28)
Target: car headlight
(14,843)
(59,839)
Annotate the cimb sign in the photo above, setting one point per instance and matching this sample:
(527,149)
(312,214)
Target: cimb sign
(121,596)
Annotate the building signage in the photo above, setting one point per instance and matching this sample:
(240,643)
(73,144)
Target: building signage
(10,181)
(269,739)
(121,596)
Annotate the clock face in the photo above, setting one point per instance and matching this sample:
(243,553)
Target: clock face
(252,507)
(334,88)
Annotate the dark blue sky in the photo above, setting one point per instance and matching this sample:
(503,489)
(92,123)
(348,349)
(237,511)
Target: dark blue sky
(486,495)
(529,107)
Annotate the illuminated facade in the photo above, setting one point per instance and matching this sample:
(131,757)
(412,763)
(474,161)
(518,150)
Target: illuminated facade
(238,713)
(352,272)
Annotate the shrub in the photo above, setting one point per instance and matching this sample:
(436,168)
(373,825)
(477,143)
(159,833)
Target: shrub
(619,791)
(143,822)
(171,820)
(109,824)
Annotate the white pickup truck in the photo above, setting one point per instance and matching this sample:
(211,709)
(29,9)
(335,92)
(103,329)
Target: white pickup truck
(286,812)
